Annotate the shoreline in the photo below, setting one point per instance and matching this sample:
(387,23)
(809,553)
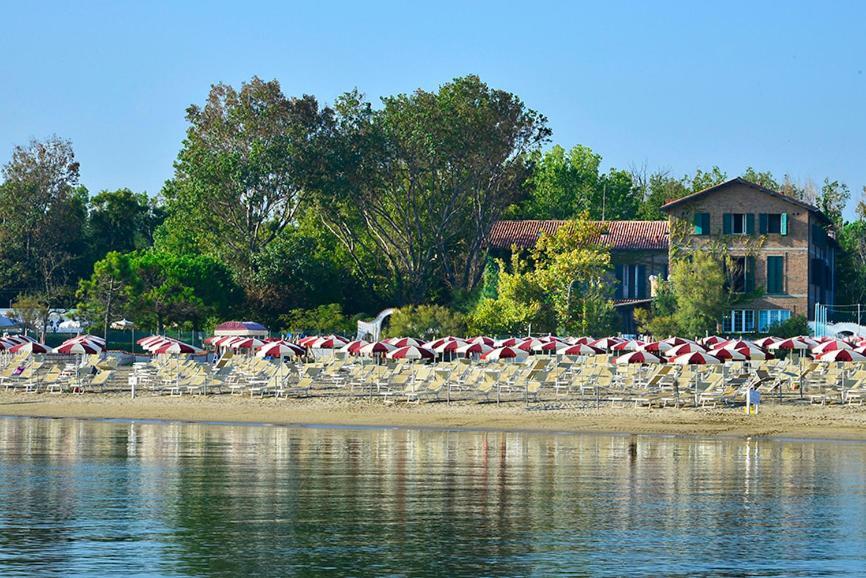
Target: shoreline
(774,422)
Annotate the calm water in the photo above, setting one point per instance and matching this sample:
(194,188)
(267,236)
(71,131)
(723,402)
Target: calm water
(100,498)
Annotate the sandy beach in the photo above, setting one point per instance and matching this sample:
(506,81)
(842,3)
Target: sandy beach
(788,421)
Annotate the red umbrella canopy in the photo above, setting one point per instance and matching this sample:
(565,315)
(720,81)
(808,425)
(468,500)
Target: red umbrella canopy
(247,343)
(657,347)
(405,342)
(504,353)
(328,342)
(508,342)
(766,342)
(354,347)
(177,348)
(449,346)
(675,341)
(832,345)
(581,349)
(696,358)
(157,343)
(529,344)
(549,346)
(78,348)
(733,344)
(580,340)
(630,345)
(29,347)
(845,355)
(483,339)
(730,354)
(99,345)
(682,349)
(712,341)
(411,352)
(637,357)
(376,348)
(307,341)
(792,344)
(280,349)
(474,348)
(150,338)
(606,343)
(6,345)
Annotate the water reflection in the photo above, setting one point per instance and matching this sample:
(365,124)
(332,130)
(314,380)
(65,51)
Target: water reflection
(189,499)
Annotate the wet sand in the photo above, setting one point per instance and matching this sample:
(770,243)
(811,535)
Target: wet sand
(786,421)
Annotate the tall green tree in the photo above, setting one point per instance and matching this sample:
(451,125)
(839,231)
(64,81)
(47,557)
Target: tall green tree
(122,221)
(106,293)
(419,182)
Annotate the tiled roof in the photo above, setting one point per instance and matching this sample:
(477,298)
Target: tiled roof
(618,236)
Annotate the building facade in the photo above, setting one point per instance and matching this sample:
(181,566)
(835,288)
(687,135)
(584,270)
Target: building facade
(780,248)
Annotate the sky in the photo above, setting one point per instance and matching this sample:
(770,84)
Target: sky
(780,86)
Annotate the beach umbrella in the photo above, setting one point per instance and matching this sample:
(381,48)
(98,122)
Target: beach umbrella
(657,347)
(792,344)
(504,353)
(448,346)
(280,349)
(580,349)
(675,341)
(29,347)
(630,345)
(730,354)
(327,342)
(507,342)
(831,345)
(483,339)
(766,342)
(846,355)
(748,349)
(474,349)
(682,349)
(354,347)
(711,341)
(550,346)
(307,341)
(250,343)
(6,345)
(696,358)
(177,348)
(399,342)
(637,357)
(528,344)
(411,352)
(606,343)
(376,348)
(92,343)
(78,348)
(152,346)
(585,340)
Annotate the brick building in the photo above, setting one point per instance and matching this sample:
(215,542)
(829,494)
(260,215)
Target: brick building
(778,244)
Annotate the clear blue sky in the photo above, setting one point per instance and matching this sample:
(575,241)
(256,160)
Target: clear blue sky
(777,85)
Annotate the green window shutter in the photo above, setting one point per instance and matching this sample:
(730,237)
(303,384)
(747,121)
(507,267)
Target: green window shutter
(699,223)
(762,223)
(727,223)
(750,274)
(775,275)
(784,223)
(641,281)
(705,225)
(750,223)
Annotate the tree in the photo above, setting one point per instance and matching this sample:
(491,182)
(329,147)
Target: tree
(658,188)
(764,179)
(239,178)
(701,291)
(420,182)
(106,293)
(323,319)
(832,200)
(426,322)
(851,262)
(122,221)
(33,311)
(42,215)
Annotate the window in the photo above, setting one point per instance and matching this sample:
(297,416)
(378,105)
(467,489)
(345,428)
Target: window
(769,317)
(739,321)
(741,274)
(702,223)
(631,281)
(773,223)
(738,224)
(775,275)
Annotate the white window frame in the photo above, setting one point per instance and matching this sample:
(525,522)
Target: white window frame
(769,317)
(739,321)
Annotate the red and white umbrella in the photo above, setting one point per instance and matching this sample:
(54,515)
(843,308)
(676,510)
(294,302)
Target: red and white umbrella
(682,349)
(606,343)
(399,342)
(630,345)
(766,342)
(507,342)
(748,349)
(6,345)
(585,340)
(696,358)
(637,357)
(675,341)
(504,353)
(328,342)
(280,349)
(551,346)
(411,352)
(354,347)
(832,345)
(657,347)
(376,348)
(178,348)
(29,347)
(307,341)
(483,339)
(150,340)
(793,344)
(78,348)
(89,338)
(250,343)
(449,346)
(712,341)
(529,344)
(474,349)
(726,354)
(580,349)
(846,355)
